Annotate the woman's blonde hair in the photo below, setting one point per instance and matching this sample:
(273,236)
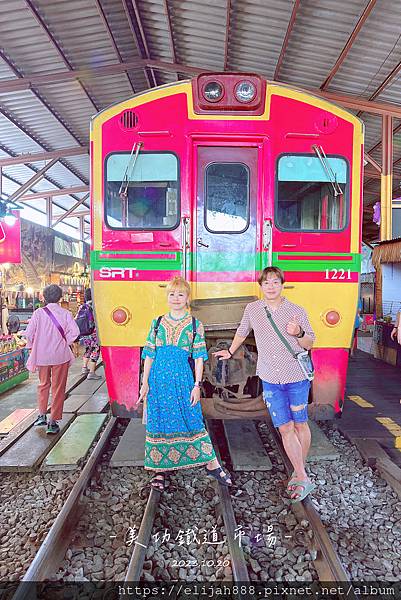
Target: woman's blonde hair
(179,284)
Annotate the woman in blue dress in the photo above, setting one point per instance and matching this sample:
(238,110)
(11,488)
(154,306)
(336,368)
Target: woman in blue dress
(176,437)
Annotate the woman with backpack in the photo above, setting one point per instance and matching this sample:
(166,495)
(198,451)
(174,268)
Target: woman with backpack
(176,437)
(88,337)
(50,332)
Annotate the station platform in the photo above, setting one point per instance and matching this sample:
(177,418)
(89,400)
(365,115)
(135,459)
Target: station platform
(25,448)
(372,407)
(23,396)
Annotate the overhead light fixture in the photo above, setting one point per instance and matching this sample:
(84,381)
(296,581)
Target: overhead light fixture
(9,219)
(6,208)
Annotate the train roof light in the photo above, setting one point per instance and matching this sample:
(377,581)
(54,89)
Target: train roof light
(235,93)
(245,91)
(213,91)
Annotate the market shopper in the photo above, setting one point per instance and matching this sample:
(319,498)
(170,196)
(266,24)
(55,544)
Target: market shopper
(176,437)
(4,316)
(358,322)
(50,332)
(88,339)
(396,331)
(285,383)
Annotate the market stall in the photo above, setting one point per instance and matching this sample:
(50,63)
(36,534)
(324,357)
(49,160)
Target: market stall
(13,354)
(387,262)
(13,357)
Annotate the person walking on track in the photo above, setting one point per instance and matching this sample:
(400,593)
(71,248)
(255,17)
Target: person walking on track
(50,332)
(176,437)
(282,334)
(86,322)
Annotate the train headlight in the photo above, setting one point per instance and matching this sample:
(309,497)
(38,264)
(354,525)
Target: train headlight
(213,91)
(331,317)
(245,91)
(121,315)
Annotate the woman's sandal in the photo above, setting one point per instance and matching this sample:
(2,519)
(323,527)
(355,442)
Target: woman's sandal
(224,479)
(158,482)
(291,483)
(306,488)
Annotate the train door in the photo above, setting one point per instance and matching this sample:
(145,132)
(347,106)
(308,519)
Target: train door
(225,244)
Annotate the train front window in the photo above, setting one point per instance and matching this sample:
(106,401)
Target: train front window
(227,197)
(148,199)
(311,194)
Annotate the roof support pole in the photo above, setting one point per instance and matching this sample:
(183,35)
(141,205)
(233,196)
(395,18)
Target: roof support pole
(386,179)
(23,159)
(81,228)
(34,179)
(286,39)
(70,210)
(372,161)
(59,192)
(49,211)
(368,9)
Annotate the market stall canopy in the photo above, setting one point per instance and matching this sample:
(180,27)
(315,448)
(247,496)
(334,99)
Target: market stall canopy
(387,252)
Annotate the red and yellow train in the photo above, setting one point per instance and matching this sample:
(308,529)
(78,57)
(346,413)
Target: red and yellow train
(214,179)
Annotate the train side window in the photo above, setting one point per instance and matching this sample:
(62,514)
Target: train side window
(226,197)
(152,198)
(311,197)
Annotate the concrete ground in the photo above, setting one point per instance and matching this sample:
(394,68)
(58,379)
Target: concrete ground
(24,394)
(365,342)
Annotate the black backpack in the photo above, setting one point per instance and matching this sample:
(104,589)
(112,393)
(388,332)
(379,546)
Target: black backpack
(190,358)
(85,320)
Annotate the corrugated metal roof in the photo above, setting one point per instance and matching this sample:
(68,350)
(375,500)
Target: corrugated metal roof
(320,32)
(40,37)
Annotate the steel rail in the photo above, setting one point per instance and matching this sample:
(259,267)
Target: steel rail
(239,568)
(238,562)
(135,566)
(54,546)
(329,567)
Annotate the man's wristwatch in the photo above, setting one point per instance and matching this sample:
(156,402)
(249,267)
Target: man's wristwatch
(198,384)
(301,333)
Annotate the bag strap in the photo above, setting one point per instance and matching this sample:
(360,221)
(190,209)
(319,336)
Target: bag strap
(193,334)
(280,335)
(157,325)
(55,322)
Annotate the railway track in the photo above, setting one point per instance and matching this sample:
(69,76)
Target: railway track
(52,551)
(325,558)
(238,562)
(50,554)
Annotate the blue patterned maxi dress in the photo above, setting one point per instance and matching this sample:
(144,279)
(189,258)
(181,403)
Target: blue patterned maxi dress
(176,437)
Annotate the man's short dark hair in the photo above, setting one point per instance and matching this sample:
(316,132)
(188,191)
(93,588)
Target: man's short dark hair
(52,293)
(88,295)
(271,271)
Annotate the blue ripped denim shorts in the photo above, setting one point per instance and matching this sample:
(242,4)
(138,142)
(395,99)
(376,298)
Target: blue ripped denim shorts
(282,398)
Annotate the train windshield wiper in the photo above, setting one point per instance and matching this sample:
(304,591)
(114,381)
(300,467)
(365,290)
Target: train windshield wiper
(328,170)
(129,169)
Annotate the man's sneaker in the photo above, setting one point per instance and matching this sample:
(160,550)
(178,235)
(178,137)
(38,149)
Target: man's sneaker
(85,370)
(94,377)
(53,428)
(41,420)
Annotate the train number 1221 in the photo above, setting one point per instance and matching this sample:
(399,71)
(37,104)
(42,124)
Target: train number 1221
(338,274)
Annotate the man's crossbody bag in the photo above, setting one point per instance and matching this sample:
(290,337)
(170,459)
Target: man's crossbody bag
(303,358)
